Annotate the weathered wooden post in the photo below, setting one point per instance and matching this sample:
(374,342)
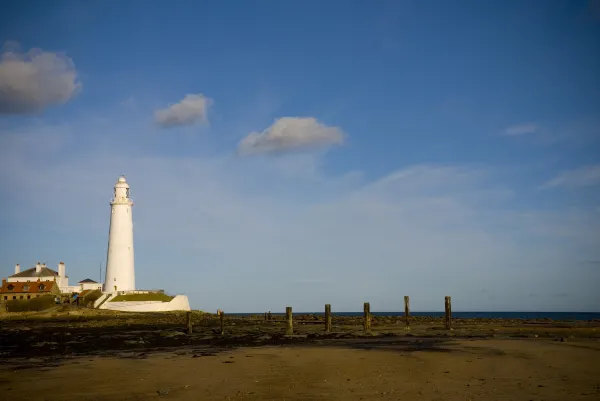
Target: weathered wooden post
(288,320)
(265,316)
(189,322)
(367,317)
(222,316)
(406,312)
(327,318)
(448,314)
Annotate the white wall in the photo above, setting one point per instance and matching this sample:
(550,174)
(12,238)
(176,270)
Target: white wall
(69,289)
(106,296)
(89,286)
(179,303)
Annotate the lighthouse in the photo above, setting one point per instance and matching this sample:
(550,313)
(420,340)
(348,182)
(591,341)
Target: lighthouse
(120,275)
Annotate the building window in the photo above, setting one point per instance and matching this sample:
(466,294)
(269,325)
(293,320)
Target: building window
(10,287)
(28,296)
(6,298)
(21,297)
(14,297)
(42,287)
(25,287)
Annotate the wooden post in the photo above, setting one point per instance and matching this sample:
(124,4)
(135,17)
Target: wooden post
(265,316)
(327,318)
(407,312)
(288,320)
(222,316)
(448,314)
(189,322)
(367,318)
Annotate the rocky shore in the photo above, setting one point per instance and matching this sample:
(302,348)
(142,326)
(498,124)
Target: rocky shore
(52,336)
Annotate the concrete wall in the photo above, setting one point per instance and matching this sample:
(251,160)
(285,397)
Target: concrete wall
(179,303)
(90,286)
(69,289)
(106,296)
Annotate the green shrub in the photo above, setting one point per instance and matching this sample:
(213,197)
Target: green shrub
(29,305)
(90,298)
(153,296)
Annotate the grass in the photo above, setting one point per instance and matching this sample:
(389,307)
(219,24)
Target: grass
(153,296)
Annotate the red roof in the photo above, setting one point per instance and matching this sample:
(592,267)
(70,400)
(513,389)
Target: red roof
(27,287)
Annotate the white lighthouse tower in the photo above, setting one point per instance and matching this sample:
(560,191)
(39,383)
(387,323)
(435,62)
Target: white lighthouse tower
(120,275)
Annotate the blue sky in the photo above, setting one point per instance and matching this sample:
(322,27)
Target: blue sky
(303,153)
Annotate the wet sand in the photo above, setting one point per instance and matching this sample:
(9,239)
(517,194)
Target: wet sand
(367,370)
(133,357)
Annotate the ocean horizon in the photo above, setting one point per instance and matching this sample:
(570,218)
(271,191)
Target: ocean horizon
(460,315)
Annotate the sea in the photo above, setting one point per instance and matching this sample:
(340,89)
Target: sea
(465,315)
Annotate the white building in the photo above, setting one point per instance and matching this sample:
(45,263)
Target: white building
(89,284)
(119,291)
(43,273)
(120,274)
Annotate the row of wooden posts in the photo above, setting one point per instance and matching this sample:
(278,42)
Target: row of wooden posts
(366,317)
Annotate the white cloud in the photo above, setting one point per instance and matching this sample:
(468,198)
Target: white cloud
(192,109)
(289,133)
(585,176)
(521,129)
(32,81)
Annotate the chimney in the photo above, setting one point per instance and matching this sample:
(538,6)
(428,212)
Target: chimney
(3,281)
(17,268)
(38,267)
(61,269)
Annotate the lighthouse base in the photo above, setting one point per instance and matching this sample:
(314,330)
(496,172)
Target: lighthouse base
(142,301)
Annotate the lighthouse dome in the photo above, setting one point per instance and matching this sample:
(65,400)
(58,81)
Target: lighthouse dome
(121,183)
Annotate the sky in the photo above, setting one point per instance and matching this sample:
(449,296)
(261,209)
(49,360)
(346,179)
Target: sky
(302,153)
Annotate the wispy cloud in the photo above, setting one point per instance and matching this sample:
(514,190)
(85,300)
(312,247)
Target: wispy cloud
(241,225)
(585,176)
(521,129)
(129,102)
(34,80)
(291,133)
(192,109)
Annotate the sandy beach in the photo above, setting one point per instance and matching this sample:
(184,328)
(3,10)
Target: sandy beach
(363,370)
(107,356)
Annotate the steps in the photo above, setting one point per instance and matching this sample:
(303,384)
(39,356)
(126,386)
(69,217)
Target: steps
(101,300)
